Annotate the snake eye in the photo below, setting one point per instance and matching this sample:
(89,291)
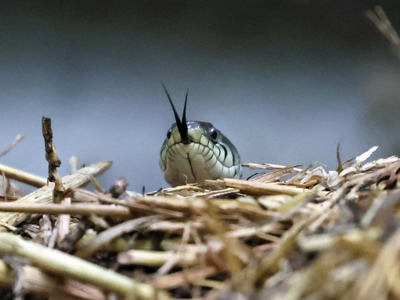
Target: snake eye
(213,134)
(169,133)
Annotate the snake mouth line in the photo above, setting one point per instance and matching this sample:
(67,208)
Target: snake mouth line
(191,167)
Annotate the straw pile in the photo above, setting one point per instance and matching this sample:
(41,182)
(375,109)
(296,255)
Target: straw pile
(291,233)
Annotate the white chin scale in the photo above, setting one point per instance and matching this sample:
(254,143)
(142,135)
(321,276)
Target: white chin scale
(189,163)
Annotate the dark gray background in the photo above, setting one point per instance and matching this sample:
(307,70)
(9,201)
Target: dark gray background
(284,80)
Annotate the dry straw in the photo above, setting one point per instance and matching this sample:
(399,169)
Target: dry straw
(291,233)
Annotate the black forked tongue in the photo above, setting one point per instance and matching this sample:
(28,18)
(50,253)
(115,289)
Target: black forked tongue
(182,125)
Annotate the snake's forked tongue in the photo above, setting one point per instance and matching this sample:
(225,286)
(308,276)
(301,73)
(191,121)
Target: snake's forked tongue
(181,124)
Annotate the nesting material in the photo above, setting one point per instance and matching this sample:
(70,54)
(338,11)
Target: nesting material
(291,233)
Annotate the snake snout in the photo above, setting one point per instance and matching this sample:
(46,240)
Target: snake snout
(186,140)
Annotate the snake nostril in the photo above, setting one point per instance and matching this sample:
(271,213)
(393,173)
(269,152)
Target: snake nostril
(169,133)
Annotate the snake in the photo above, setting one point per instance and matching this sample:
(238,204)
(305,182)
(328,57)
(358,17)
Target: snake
(194,151)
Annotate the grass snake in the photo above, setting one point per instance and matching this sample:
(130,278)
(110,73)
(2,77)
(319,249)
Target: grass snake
(194,151)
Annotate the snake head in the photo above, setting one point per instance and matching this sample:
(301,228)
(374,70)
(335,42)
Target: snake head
(194,151)
(180,123)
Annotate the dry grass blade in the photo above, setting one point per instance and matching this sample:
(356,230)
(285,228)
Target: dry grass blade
(383,279)
(41,283)
(192,275)
(111,233)
(264,188)
(59,209)
(45,194)
(66,265)
(270,264)
(381,21)
(158,258)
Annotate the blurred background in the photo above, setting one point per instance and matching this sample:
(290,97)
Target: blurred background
(286,81)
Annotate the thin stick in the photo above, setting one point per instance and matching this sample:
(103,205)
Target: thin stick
(44,195)
(18,138)
(81,195)
(53,160)
(67,265)
(158,258)
(63,221)
(59,209)
(193,275)
(264,188)
(23,176)
(74,163)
